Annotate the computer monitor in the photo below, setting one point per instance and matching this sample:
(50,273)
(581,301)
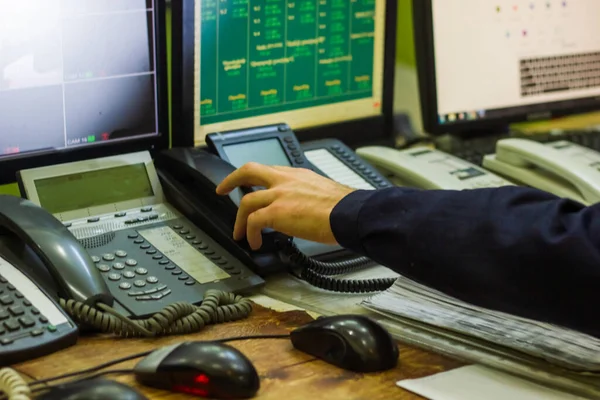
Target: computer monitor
(80,79)
(324,67)
(483,64)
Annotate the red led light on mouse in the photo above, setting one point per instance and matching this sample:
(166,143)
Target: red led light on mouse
(190,390)
(202,379)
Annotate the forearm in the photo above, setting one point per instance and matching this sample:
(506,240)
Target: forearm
(512,249)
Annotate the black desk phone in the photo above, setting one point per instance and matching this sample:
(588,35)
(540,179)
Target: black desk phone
(189,177)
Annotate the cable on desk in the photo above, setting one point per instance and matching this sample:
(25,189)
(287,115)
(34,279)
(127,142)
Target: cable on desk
(177,318)
(97,375)
(14,385)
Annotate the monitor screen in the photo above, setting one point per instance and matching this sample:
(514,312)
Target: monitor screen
(75,73)
(94,188)
(268,152)
(506,59)
(306,63)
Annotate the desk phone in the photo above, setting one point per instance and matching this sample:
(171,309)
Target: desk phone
(426,168)
(146,251)
(202,168)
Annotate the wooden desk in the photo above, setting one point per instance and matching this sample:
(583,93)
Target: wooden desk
(285,373)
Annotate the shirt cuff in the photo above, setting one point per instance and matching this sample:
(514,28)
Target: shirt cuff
(344,219)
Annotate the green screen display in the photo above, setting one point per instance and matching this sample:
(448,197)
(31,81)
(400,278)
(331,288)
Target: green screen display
(94,188)
(260,57)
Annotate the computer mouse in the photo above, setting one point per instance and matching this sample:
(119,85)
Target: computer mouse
(93,389)
(353,342)
(206,369)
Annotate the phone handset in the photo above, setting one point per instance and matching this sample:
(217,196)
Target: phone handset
(200,172)
(537,164)
(65,258)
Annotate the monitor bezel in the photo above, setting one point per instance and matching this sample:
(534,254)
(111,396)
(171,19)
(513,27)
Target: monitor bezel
(426,67)
(9,166)
(354,133)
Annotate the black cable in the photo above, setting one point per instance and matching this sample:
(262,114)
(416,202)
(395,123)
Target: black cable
(250,337)
(293,256)
(99,374)
(92,369)
(345,285)
(143,354)
(317,273)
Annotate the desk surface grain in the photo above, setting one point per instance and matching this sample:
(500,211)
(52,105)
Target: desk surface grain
(285,373)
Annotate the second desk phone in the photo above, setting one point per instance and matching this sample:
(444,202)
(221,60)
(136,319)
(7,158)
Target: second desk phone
(563,168)
(426,168)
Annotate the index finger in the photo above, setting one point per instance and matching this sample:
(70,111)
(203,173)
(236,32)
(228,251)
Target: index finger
(250,174)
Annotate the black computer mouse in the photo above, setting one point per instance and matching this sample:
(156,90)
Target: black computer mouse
(352,342)
(207,369)
(93,389)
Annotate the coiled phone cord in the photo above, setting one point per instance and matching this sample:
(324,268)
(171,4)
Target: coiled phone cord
(177,318)
(318,273)
(296,257)
(345,285)
(13,385)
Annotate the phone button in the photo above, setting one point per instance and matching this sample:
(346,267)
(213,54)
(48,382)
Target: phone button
(114,277)
(190,283)
(6,300)
(94,219)
(131,262)
(299,161)
(183,278)
(177,227)
(133,236)
(3,314)
(139,283)
(121,253)
(146,209)
(103,268)
(108,257)
(128,274)
(164,262)
(152,279)
(141,271)
(96,259)
(125,286)
(177,272)
(119,266)
(26,322)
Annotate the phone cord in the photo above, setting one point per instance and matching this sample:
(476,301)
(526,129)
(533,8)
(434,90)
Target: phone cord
(13,385)
(175,319)
(318,273)
(294,256)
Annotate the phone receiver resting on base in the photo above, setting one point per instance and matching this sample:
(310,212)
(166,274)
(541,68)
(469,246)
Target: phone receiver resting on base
(562,168)
(203,172)
(61,253)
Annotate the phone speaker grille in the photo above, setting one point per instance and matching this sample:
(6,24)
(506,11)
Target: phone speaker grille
(97,241)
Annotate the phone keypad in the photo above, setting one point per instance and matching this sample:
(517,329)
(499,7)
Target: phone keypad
(144,280)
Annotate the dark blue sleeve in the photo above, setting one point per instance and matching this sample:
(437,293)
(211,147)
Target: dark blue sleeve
(512,249)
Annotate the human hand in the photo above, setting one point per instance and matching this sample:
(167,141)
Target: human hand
(296,202)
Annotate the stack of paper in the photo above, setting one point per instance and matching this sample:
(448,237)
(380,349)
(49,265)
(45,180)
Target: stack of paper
(556,345)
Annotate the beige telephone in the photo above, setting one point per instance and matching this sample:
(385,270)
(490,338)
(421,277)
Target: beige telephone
(562,168)
(426,168)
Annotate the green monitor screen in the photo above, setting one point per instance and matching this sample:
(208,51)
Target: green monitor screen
(303,62)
